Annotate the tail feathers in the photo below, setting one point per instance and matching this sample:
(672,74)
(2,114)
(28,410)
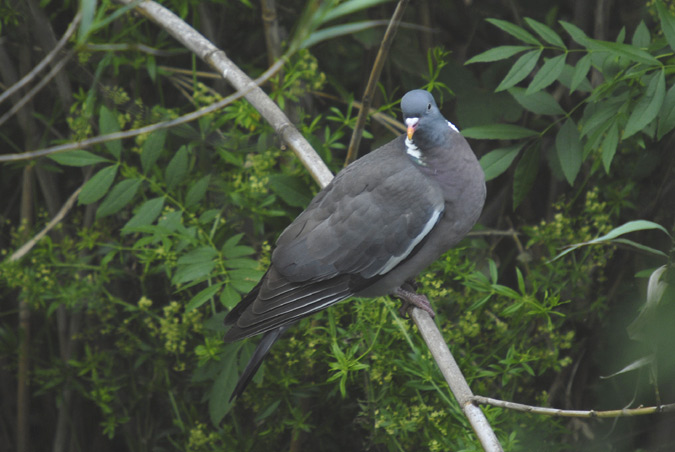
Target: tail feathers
(248,299)
(268,339)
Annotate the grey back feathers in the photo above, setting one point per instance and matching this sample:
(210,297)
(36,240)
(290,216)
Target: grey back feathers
(381,221)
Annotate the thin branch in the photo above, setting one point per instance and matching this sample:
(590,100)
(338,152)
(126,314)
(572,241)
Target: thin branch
(47,59)
(271,26)
(495,233)
(375,73)
(453,376)
(191,73)
(60,215)
(146,129)
(625,412)
(393,125)
(36,89)
(132,47)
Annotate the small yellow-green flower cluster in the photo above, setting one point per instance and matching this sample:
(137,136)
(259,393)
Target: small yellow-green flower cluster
(203,95)
(174,328)
(567,228)
(199,440)
(117,94)
(395,420)
(305,75)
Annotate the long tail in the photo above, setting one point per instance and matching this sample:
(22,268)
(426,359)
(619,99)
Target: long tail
(268,339)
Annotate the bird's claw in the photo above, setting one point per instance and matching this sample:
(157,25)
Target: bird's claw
(411,299)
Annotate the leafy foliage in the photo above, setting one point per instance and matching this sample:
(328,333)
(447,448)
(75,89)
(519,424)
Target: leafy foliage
(127,294)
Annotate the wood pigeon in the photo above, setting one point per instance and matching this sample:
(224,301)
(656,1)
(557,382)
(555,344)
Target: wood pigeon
(377,224)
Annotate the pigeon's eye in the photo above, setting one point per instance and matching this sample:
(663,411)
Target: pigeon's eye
(428,107)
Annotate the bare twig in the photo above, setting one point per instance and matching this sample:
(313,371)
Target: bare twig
(382,54)
(132,47)
(47,59)
(26,247)
(625,412)
(36,89)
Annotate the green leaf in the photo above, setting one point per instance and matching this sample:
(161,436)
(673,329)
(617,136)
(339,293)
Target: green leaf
(541,102)
(576,33)
(177,168)
(337,31)
(526,174)
(640,246)
(667,114)
(145,215)
(88,8)
(219,397)
(497,54)
(641,37)
(152,148)
(631,226)
(349,7)
(580,71)
(107,123)
(520,69)
(77,158)
(609,145)
(600,115)
(243,280)
(635,365)
(202,297)
(197,192)
(546,33)
(569,150)
(198,256)
(119,196)
(548,73)
(496,162)
(231,249)
(515,31)
(648,106)
(229,297)
(293,190)
(98,185)
(667,23)
(193,272)
(626,51)
(498,132)
(566,77)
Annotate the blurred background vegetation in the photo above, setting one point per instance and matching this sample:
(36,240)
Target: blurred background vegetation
(111,326)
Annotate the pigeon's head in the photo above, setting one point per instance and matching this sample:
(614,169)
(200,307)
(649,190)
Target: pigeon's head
(419,108)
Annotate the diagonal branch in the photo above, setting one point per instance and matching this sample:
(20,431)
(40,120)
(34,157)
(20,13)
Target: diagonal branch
(36,70)
(270,111)
(37,88)
(60,215)
(217,59)
(453,375)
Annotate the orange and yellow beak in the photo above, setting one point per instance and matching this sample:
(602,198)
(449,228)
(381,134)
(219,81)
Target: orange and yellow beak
(411,123)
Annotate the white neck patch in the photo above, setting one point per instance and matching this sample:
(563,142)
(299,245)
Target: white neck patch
(453,127)
(412,150)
